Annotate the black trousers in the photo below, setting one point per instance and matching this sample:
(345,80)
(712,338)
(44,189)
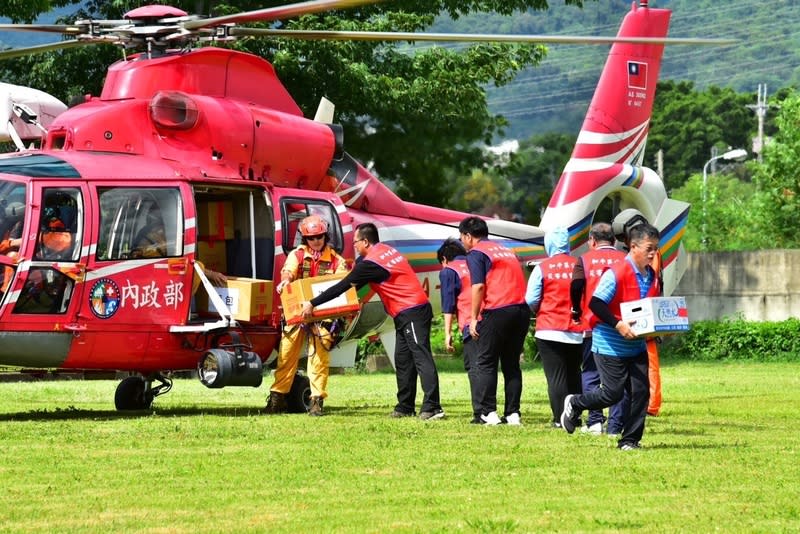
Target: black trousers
(413,357)
(616,376)
(562,369)
(470,366)
(501,336)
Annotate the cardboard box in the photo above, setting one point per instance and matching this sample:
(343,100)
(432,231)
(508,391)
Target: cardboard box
(656,316)
(215,220)
(212,254)
(248,299)
(305,289)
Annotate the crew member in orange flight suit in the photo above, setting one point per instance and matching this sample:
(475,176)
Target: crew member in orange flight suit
(390,275)
(314,257)
(499,321)
(12,239)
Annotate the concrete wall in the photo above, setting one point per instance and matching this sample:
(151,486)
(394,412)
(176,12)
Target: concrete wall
(759,286)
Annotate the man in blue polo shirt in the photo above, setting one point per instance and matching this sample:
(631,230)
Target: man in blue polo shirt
(621,357)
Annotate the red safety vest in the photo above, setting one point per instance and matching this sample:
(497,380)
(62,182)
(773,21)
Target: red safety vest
(628,287)
(464,299)
(554,309)
(595,263)
(402,289)
(505,283)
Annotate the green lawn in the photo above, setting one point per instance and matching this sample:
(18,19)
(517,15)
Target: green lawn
(723,456)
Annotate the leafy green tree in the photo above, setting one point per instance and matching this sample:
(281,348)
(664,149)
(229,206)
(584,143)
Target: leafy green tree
(534,172)
(482,193)
(413,111)
(687,123)
(727,222)
(778,181)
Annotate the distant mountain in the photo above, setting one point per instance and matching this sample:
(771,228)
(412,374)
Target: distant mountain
(554,96)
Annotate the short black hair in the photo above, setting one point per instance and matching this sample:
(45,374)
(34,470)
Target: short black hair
(602,233)
(451,248)
(369,232)
(474,226)
(643,231)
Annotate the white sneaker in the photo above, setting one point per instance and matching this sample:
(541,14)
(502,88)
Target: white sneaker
(513,419)
(490,419)
(595,429)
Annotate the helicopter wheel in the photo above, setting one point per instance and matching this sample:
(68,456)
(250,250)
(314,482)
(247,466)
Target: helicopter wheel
(133,393)
(298,400)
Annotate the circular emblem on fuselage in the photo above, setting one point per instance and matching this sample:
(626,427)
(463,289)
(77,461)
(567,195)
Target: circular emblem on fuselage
(104,298)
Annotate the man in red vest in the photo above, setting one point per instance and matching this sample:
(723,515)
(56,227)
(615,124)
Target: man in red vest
(622,225)
(620,356)
(558,336)
(390,275)
(456,293)
(590,266)
(499,319)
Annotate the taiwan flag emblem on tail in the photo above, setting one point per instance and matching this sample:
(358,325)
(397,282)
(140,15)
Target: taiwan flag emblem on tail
(637,75)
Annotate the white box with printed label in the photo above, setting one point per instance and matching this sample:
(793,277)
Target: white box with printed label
(656,316)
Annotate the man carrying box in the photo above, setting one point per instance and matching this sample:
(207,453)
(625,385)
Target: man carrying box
(314,257)
(390,275)
(620,356)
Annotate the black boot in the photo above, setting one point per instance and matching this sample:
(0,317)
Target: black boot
(276,403)
(316,407)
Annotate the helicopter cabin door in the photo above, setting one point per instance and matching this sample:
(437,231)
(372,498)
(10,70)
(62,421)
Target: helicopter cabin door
(138,277)
(44,296)
(235,237)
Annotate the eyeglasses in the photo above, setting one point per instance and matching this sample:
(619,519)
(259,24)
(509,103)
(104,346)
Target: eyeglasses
(315,237)
(357,240)
(648,248)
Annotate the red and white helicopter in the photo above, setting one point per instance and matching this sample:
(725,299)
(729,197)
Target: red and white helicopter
(209,146)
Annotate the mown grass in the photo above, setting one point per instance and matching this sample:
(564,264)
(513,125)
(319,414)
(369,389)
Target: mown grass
(723,456)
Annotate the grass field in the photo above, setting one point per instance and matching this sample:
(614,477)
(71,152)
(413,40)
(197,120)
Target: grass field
(722,457)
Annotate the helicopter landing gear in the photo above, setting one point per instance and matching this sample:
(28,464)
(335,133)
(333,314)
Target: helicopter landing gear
(298,400)
(137,392)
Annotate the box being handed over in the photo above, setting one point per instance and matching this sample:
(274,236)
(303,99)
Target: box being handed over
(656,316)
(304,289)
(248,299)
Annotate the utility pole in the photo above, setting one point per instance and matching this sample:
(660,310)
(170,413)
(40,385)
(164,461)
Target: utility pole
(761,111)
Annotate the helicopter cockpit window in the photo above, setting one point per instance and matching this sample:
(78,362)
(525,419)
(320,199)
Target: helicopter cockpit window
(45,291)
(12,214)
(295,210)
(140,223)
(12,217)
(60,224)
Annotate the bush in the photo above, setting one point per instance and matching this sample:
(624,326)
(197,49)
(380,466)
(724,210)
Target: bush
(736,340)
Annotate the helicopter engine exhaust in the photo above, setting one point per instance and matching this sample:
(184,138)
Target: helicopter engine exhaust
(218,368)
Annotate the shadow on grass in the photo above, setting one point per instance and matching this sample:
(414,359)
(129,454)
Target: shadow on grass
(72,413)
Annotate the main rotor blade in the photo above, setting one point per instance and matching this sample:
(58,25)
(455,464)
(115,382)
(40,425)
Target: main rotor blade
(45,28)
(277,13)
(470,37)
(18,52)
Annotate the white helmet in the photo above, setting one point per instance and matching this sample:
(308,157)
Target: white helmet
(625,220)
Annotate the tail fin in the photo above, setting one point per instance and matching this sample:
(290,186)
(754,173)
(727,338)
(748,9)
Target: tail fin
(609,152)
